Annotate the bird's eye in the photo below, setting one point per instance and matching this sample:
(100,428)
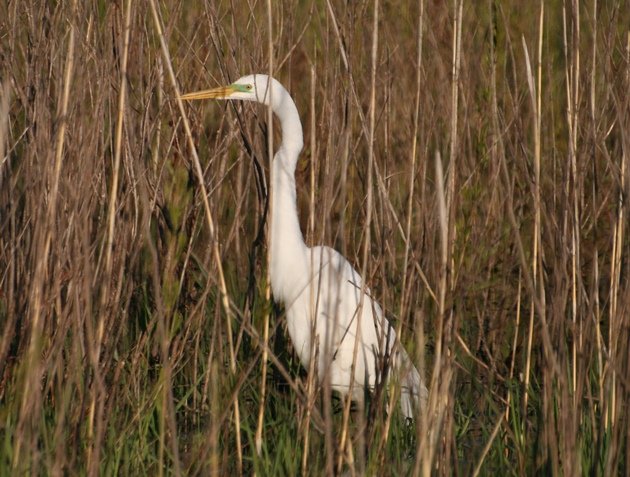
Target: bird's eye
(249,86)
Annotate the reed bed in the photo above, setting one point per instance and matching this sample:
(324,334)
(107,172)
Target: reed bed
(470,158)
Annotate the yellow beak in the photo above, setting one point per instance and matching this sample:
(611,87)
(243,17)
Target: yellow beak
(215,93)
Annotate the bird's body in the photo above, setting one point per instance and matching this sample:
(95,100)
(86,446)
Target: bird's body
(321,291)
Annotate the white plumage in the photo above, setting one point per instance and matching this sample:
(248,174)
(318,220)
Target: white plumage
(319,288)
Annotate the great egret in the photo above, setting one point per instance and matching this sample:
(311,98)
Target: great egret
(319,288)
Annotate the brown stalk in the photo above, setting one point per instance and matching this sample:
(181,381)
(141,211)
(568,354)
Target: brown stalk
(209,219)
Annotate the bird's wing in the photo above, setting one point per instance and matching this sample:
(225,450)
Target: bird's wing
(340,303)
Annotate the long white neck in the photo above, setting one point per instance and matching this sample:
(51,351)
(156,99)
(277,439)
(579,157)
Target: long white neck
(288,250)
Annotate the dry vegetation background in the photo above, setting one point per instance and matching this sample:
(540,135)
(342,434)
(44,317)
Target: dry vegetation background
(130,328)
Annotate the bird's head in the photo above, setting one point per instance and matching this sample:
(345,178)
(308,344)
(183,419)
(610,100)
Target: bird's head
(266,90)
(256,88)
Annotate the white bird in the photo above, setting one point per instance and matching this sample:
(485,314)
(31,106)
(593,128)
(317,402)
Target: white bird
(319,288)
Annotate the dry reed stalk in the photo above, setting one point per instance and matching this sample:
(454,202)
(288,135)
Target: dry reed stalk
(440,378)
(413,155)
(573,93)
(270,192)
(311,382)
(96,409)
(209,218)
(535,97)
(31,400)
(419,351)
(199,172)
(5,99)
(132,413)
(165,386)
(367,244)
(596,279)
(440,395)
(612,405)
